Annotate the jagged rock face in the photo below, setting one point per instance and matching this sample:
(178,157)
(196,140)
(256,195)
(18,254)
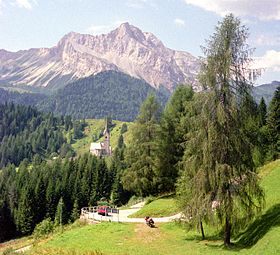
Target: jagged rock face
(126,49)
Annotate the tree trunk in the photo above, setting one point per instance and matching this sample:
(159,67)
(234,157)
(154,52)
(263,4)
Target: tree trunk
(202,231)
(227,232)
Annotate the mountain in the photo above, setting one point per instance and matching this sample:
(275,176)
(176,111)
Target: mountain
(109,93)
(266,91)
(126,49)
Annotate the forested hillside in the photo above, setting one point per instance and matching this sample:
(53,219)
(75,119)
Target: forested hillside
(106,94)
(20,98)
(31,193)
(26,132)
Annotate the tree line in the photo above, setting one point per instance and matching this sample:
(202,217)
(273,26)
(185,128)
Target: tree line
(26,132)
(33,192)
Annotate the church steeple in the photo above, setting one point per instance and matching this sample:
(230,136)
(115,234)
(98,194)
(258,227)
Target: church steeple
(106,134)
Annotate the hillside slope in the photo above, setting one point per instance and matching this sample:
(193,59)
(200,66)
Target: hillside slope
(266,91)
(106,94)
(262,236)
(94,128)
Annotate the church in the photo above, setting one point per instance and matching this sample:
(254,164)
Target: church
(102,149)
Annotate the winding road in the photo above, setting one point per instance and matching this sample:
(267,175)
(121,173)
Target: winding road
(123,216)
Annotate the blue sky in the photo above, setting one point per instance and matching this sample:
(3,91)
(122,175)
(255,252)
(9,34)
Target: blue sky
(179,24)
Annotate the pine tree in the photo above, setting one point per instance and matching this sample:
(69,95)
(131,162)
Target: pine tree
(171,140)
(262,110)
(273,125)
(25,215)
(75,211)
(218,171)
(60,218)
(140,176)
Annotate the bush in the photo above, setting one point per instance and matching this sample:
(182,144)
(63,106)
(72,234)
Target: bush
(150,199)
(44,228)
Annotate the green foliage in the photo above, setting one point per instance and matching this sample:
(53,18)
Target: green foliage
(262,110)
(173,129)
(9,251)
(158,207)
(124,128)
(60,215)
(75,211)
(43,229)
(140,175)
(218,168)
(273,125)
(25,98)
(56,190)
(25,132)
(108,93)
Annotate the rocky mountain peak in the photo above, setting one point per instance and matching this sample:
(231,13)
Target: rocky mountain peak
(126,49)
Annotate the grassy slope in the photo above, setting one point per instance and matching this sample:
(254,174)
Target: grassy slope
(161,207)
(94,127)
(262,237)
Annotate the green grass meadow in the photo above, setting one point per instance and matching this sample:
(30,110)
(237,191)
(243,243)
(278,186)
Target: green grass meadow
(160,207)
(261,237)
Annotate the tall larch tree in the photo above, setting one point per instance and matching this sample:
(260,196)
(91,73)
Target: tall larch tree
(220,172)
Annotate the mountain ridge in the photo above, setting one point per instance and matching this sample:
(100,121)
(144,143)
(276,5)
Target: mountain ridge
(125,49)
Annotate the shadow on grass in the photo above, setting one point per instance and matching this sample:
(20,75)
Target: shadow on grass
(259,227)
(255,231)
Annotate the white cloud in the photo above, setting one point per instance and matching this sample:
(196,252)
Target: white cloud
(270,61)
(261,9)
(99,29)
(138,4)
(179,22)
(267,40)
(24,4)
(1,6)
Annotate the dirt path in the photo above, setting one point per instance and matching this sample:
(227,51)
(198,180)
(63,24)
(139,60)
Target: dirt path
(23,249)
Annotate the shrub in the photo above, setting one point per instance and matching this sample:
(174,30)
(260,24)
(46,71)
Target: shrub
(44,228)
(150,199)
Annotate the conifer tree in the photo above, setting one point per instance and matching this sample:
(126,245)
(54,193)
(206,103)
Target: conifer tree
(273,125)
(262,110)
(60,219)
(25,214)
(140,175)
(171,140)
(218,171)
(75,211)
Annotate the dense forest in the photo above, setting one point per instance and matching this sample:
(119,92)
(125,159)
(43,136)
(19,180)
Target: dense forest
(34,192)
(26,132)
(106,94)
(25,98)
